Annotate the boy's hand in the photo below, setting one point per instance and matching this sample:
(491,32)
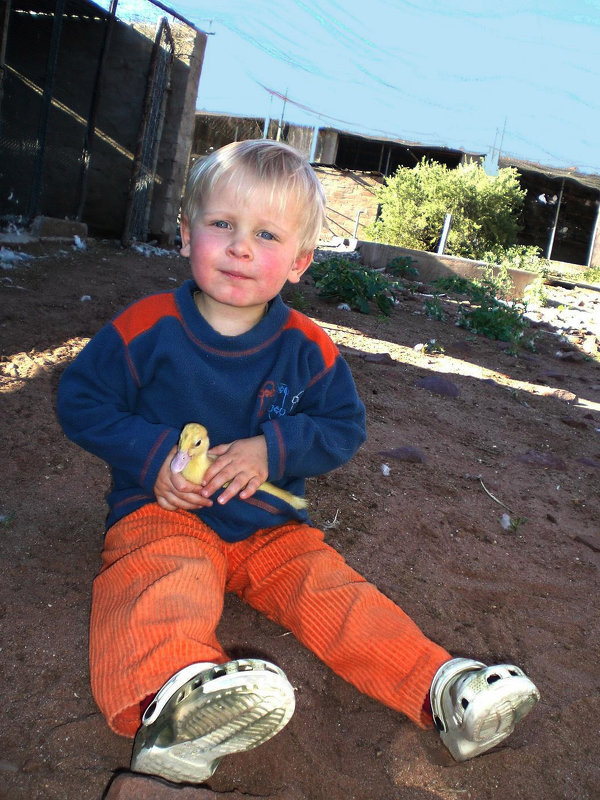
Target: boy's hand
(173,492)
(242,464)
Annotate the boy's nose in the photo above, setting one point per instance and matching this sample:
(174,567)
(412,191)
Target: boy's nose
(239,247)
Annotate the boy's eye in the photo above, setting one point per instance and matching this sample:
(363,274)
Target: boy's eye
(220,223)
(268,236)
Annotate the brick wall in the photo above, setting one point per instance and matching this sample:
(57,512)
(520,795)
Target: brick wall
(347,194)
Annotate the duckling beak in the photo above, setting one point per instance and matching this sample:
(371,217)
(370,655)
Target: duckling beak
(180,461)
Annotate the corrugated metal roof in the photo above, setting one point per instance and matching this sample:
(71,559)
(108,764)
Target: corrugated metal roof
(84,8)
(406,142)
(72,7)
(554,173)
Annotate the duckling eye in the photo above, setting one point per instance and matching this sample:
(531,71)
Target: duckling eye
(198,443)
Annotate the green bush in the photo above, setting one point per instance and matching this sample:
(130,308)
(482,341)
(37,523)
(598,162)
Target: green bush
(414,203)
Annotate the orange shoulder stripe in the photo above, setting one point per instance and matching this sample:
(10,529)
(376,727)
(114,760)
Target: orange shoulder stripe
(316,334)
(141,316)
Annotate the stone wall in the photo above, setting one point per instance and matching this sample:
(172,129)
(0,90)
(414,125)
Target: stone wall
(44,174)
(177,134)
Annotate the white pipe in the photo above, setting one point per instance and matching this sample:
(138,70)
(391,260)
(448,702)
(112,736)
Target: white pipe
(595,235)
(355,234)
(553,231)
(444,236)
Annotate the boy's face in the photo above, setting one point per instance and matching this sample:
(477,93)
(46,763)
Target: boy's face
(242,251)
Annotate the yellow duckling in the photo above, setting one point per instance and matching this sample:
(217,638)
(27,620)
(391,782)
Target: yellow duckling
(192,461)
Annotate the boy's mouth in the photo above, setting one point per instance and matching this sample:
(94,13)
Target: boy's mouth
(234,275)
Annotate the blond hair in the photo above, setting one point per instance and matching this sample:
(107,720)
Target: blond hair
(261,165)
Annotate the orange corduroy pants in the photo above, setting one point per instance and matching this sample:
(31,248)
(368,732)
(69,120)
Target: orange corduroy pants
(159,596)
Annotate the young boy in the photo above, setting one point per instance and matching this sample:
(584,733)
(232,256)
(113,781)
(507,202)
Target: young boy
(279,403)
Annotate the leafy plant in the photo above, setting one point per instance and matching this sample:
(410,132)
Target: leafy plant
(298,301)
(489,313)
(338,279)
(402,267)
(433,347)
(518,256)
(591,275)
(536,293)
(434,308)
(506,325)
(453,284)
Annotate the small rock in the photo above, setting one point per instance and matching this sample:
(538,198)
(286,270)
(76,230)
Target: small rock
(569,355)
(438,385)
(379,358)
(590,346)
(549,374)
(505,522)
(566,396)
(131,786)
(406,453)
(589,462)
(593,544)
(560,394)
(574,423)
(459,349)
(544,460)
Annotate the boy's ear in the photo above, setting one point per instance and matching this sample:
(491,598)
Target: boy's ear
(185,237)
(301,264)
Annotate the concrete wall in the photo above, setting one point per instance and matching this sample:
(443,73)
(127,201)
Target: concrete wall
(432,266)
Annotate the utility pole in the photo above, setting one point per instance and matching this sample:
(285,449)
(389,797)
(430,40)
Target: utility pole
(282,113)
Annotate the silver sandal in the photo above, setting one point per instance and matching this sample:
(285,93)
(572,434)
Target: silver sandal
(475,707)
(207,711)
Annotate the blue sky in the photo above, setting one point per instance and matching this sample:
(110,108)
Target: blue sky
(523,78)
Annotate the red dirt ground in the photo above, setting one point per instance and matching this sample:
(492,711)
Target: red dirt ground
(524,431)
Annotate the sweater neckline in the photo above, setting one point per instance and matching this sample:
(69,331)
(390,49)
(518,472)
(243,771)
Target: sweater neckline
(205,335)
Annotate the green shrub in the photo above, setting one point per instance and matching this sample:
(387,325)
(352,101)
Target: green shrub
(340,280)
(488,312)
(414,203)
(505,323)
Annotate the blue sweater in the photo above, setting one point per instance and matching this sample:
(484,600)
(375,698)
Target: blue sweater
(159,365)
